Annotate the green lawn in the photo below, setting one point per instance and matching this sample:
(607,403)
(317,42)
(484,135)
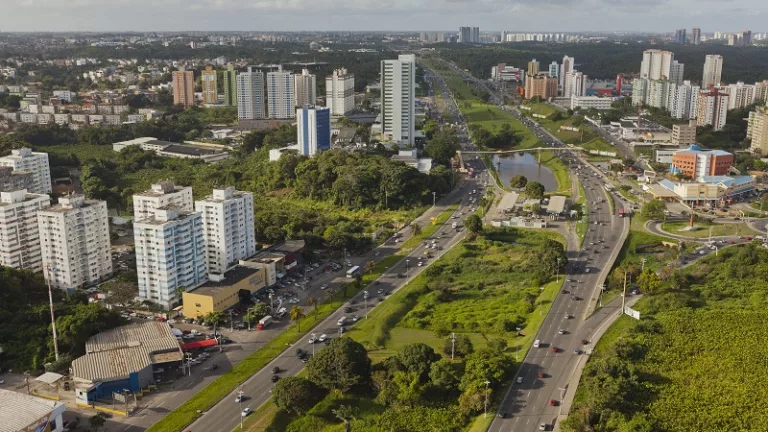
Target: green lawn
(702,230)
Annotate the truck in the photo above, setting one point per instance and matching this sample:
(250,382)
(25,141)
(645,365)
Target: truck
(264,322)
(621,212)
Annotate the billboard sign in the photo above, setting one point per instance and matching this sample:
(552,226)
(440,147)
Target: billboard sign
(631,312)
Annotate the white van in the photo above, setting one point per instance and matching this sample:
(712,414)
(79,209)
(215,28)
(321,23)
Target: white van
(536,343)
(342,320)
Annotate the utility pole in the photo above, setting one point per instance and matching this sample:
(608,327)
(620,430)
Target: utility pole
(485,414)
(602,290)
(53,316)
(434,198)
(642,266)
(624,295)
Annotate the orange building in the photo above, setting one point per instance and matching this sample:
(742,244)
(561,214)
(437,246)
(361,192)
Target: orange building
(696,163)
(541,85)
(184,88)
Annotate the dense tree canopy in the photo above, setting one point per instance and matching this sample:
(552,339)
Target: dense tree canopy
(343,366)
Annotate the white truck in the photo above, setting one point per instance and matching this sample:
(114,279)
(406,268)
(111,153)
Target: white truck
(267,320)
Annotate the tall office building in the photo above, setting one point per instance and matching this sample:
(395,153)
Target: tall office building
(713,109)
(533,67)
(250,95)
(398,108)
(469,34)
(554,69)
(210,89)
(680,36)
(575,84)
(305,89)
(713,71)
(281,95)
(230,86)
(161,195)
(757,131)
(183,88)
(476,34)
(745,38)
(170,254)
(565,67)
(696,36)
(656,64)
(541,85)
(228,228)
(340,92)
(19,232)
(313,129)
(25,160)
(74,240)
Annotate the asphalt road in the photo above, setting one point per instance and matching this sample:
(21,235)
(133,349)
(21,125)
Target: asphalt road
(226,415)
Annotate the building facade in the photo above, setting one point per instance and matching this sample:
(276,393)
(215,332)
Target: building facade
(230,86)
(161,195)
(713,109)
(183,88)
(398,104)
(757,131)
(658,64)
(575,84)
(713,71)
(697,163)
(565,67)
(340,92)
(281,95)
(74,240)
(24,159)
(541,85)
(210,86)
(313,129)
(170,255)
(228,228)
(19,231)
(740,95)
(11,180)
(684,135)
(305,86)
(250,95)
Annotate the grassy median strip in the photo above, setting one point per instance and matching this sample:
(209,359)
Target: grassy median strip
(185,414)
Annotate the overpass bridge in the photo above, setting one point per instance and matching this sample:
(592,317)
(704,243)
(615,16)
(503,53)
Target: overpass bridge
(539,150)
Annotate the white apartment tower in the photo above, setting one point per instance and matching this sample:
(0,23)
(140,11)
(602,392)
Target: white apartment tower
(19,232)
(25,159)
(565,68)
(170,254)
(575,84)
(658,64)
(340,92)
(228,228)
(713,109)
(305,89)
(398,109)
(161,195)
(740,95)
(250,95)
(684,100)
(74,240)
(554,69)
(713,71)
(281,95)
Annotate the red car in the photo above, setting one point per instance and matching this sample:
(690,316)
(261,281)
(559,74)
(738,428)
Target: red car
(552,402)
(542,374)
(554,350)
(584,342)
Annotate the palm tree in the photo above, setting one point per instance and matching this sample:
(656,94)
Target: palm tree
(297,314)
(344,413)
(415,229)
(369,266)
(312,301)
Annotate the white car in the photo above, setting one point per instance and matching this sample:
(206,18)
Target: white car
(324,287)
(245,412)
(239,399)
(322,337)
(519,380)
(312,339)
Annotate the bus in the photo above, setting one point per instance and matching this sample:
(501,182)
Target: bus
(353,271)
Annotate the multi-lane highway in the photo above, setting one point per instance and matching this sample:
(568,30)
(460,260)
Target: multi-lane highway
(226,415)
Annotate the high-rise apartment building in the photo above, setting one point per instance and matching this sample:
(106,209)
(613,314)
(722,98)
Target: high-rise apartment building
(228,228)
(250,95)
(541,85)
(676,70)
(183,88)
(469,34)
(554,69)
(170,254)
(740,95)
(757,131)
(74,240)
(680,36)
(210,89)
(340,92)
(305,86)
(575,84)
(761,91)
(281,95)
(11,180)
(565,67)
(640,90)
(19,232)
(230,86)
(533,67)
(313,129)
(657,64)
(713,109)
(713,71)
(683,100)
(398,109)
(696,36)
(25,160)
(161,195)
(684,135)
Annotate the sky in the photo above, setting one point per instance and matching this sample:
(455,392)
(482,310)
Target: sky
(394,15)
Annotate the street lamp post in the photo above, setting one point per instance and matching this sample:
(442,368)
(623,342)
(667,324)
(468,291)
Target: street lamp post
(53,317)
(485,414)
(602,289)
(365,300)
(248,314)
(314,338)
(406,269)
(434,198)
(240,398)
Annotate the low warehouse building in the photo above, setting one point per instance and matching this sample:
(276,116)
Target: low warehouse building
(24,413)
(124,358)
(221,293)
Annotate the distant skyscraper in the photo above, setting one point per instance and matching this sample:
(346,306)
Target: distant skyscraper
(250,95)
(659,64)
(713,70)
(469,34)
(745,38)
(398,110)
(210,89)
(230,86)
(183,88)
(565,67)
(696,36)
(554,69)
(533,67)
(305,88)
(281,95)
(340,92)
(680,36)
(575,84)
(313,129)
(476,34)
(676,70)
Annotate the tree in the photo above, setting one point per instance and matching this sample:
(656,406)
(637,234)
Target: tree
(534,190)
(415,229)
(96,422)
(342,366)
(213,317)
(474,224)
(120,292)
(409,386)
(257,312)
(446,374)
(297,314)
(345,413)
(313,301)
(653,210)
(649,281)
(462,347)
(518,181)
(296,394)
(443,146)
(418,358)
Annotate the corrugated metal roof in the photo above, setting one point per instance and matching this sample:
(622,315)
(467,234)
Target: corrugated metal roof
(556,204)
(17,410)
(116,353)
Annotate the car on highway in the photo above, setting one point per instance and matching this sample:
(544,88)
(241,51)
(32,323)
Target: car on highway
(239,398)
(584,342)
(324,287)
(275,378)
(562,331)
(245,412)
(543,426)
(541,374)
(552,402)
(322,338)
(555,349)
(520,380)
(312,339)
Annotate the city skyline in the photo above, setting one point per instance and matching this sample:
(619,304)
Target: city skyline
(366,15)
